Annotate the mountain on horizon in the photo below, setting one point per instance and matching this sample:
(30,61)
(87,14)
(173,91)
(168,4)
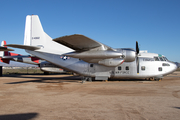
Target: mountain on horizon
(178,64)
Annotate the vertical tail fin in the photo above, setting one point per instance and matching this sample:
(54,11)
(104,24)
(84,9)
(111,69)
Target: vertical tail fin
(34,33)
(35,36)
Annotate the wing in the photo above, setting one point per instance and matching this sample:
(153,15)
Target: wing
(90,50)
(81,43)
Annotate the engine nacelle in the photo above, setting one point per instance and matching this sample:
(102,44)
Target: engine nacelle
(111,62)
(129,56)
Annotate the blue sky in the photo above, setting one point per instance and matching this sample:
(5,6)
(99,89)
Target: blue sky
(155,24)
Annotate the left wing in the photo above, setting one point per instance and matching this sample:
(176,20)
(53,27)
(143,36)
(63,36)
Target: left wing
(90,50)
(81,43)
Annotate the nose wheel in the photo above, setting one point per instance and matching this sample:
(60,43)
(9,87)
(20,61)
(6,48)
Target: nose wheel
(158,79)
(155,79)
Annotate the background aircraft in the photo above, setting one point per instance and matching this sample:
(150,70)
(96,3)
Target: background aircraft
(91,59)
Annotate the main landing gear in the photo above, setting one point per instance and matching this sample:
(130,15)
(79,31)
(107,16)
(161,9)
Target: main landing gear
(89,79)
(84,79)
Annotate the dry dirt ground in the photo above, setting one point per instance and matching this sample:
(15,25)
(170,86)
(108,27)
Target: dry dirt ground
(64,97)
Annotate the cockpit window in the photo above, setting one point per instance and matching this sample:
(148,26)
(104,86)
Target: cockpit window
(165,59)
(161,58)
(156,58)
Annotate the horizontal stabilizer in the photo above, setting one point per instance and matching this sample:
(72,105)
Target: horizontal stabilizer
(18,56)
(26,47)
(5,49)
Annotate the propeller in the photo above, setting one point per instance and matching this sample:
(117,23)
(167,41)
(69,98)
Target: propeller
(137,58)
(137,48)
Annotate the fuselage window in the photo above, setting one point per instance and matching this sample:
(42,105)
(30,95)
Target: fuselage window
(160,68)
(119,68)
(143,68)
(165,64)
(156,58)
(127,67)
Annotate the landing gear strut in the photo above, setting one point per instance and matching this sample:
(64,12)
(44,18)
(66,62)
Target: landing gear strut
(84,79)
(46,73)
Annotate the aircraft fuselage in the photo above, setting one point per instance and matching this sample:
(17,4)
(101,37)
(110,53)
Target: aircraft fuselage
(148,66)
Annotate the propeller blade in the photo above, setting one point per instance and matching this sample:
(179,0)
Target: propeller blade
(137,64)
(137,58)
(137,48)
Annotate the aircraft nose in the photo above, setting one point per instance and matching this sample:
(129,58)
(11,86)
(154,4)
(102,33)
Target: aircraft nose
(174,67)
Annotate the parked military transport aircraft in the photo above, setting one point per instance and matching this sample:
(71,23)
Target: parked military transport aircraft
(46,67)
(91,59)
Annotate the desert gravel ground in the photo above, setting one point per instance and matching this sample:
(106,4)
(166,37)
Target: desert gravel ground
(64,97)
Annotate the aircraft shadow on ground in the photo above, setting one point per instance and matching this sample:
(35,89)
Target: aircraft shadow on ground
(177,107)
(59,79)
(23,116)
(48,79)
